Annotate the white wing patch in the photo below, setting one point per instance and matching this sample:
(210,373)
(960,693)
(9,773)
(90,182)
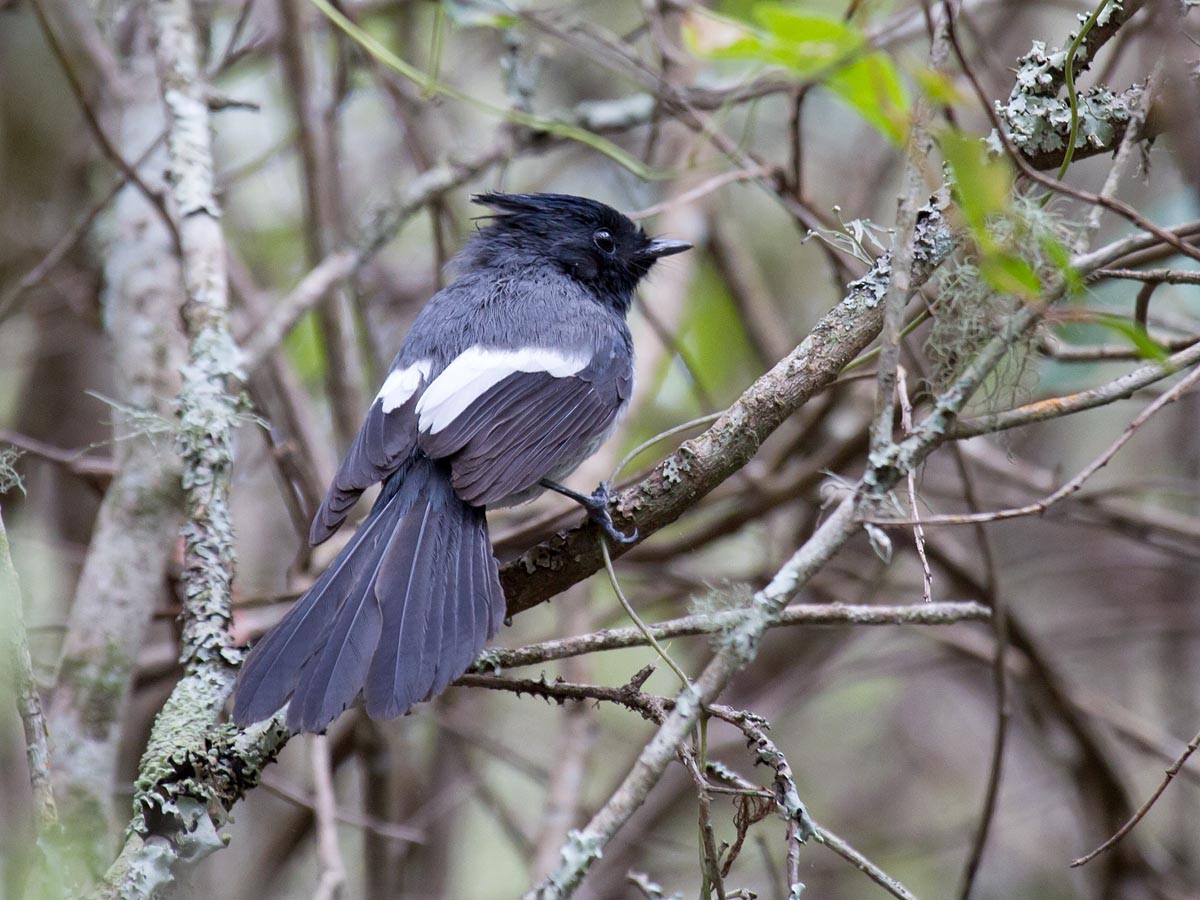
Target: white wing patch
(476,370)
(401,384)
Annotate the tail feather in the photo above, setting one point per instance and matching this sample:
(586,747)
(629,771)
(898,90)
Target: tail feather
(410,581)
(436,631)
(332,677)
(400,613)
(271,671)
(458,619)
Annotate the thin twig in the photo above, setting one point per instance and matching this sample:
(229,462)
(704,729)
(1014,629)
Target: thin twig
(811,614)
(71,239)
(284,314)
(1156,276)
(1171,772)
(77,462)
(646,633)
(864,865)
(331,869)
(389,830)
(703,189)
(1101,395)
(1129,141)
(906,422)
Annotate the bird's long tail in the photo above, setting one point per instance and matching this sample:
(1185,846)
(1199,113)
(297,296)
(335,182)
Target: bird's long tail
(401,611)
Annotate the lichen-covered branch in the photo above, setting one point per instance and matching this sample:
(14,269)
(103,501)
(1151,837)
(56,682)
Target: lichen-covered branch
(1091,398)
(1038,121)
(198,790)
(176,813)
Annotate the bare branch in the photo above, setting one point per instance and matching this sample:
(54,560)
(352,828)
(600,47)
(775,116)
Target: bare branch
(332,876)
(1171,772)
(717,623)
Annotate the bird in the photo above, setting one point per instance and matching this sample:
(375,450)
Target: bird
(510,377)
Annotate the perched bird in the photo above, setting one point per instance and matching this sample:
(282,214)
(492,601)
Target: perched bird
(511,376)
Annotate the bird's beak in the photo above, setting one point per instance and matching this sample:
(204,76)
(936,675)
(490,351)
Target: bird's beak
(660,247)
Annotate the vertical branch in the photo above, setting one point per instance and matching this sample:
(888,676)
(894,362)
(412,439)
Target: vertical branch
(894,304)
(183,780)
(920,147)
(206,408)
(322,226)
(329,855)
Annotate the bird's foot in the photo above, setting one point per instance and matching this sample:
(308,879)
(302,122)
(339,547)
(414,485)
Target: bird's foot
(596,504)
(598,513)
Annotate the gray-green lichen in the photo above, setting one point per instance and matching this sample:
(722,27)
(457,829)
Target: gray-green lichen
(787,795)
(1038,121)
(149,868)
(969,309)
(578,852)
(188,790)
(9,478)
(672,469)
(933,242)
(489,659)
(208,413)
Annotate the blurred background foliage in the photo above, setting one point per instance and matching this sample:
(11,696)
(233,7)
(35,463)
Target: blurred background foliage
(888,730)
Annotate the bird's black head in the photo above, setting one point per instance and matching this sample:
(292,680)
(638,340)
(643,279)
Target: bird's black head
(588,240)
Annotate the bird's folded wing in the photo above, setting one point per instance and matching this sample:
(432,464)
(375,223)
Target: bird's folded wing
(507,419)
(384,443)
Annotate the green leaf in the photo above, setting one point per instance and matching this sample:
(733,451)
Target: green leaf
(1146,346)
(1010,274)
(873,87)
(807,43)
(812,47)
(982,183)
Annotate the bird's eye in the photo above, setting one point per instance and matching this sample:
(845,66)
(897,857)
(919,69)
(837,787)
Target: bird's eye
(604,240)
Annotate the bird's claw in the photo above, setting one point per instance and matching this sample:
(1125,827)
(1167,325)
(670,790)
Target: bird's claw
(598,513)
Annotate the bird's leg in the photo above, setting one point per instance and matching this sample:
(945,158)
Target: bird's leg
(597,508)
